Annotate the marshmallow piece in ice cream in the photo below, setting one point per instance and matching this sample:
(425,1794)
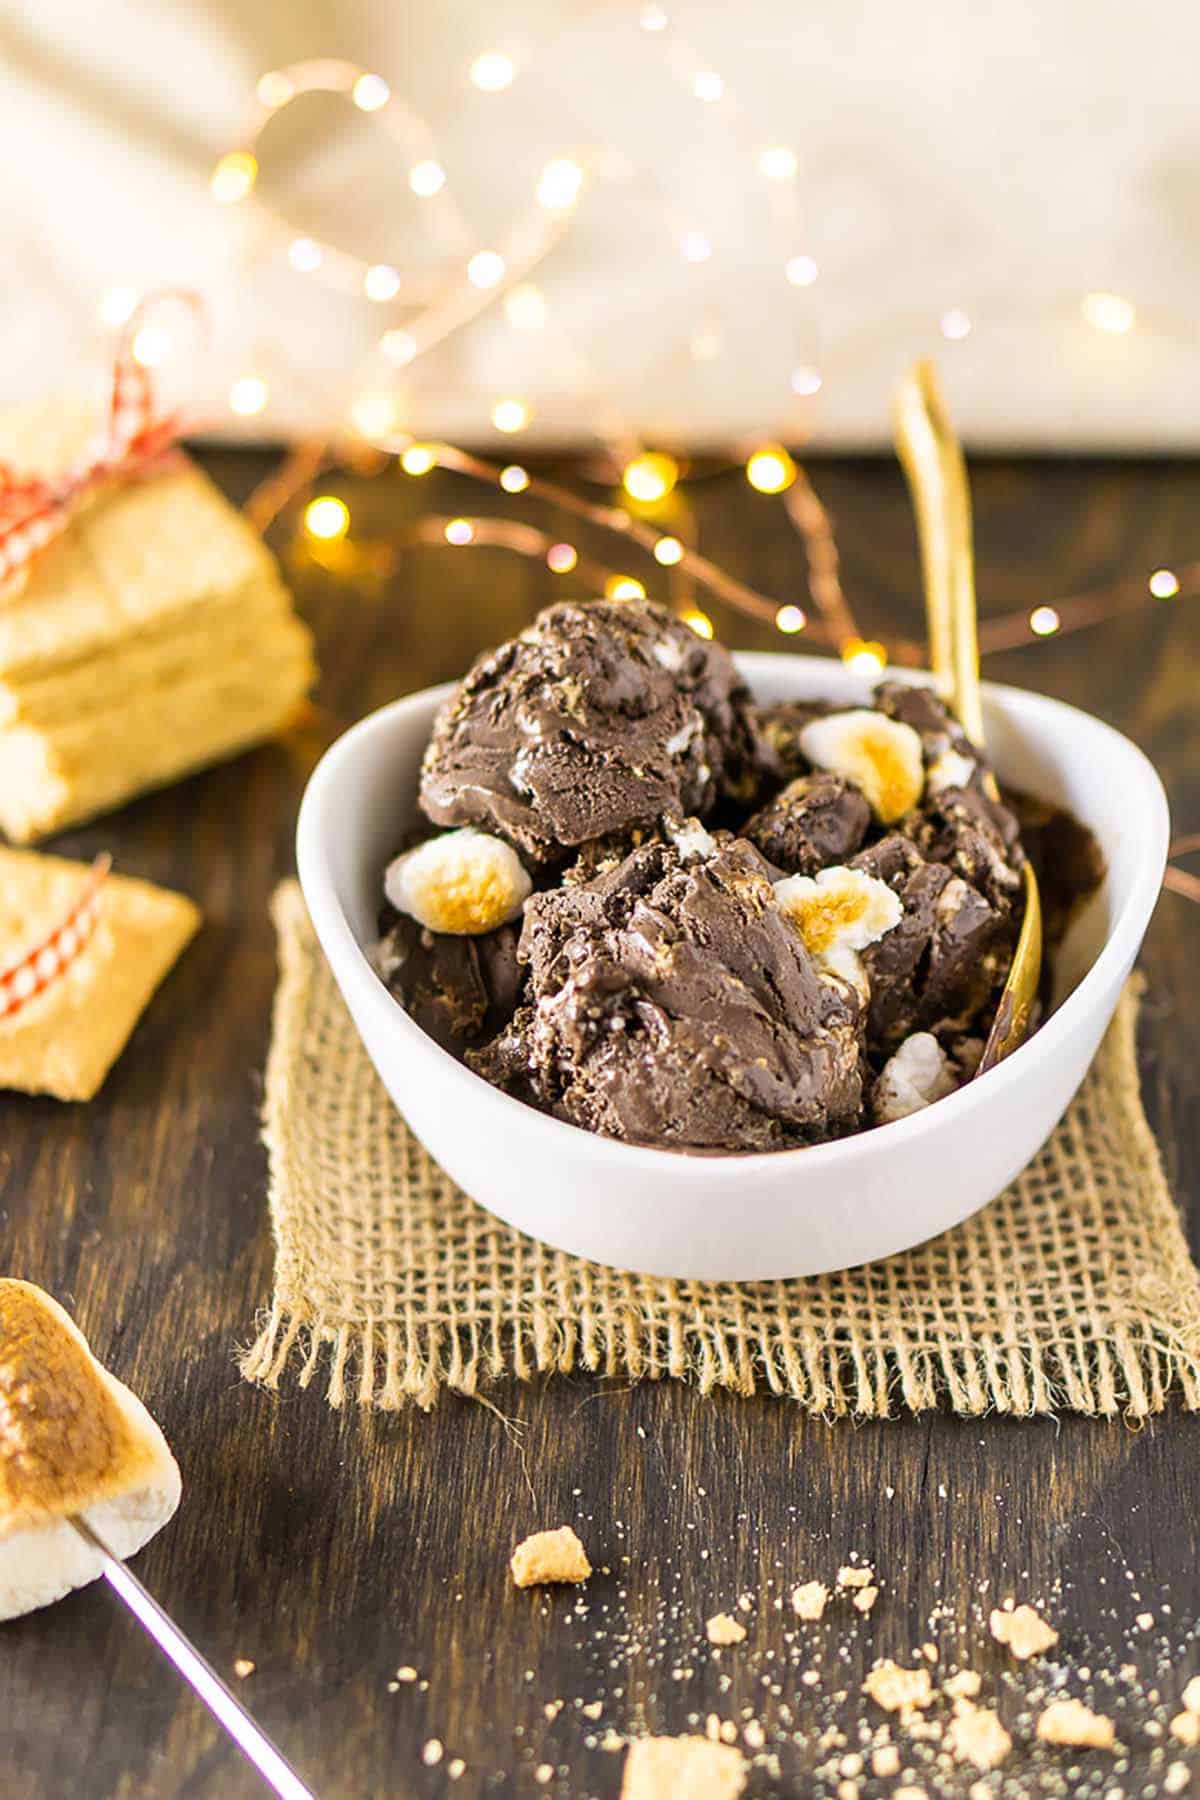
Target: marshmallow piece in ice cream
(461,884)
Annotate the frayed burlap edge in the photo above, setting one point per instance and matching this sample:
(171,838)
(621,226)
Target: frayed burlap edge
(1072,1291)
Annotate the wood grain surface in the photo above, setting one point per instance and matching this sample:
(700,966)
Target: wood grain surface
(332,1549)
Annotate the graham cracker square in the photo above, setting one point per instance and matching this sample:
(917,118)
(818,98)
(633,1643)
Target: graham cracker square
(64,1039)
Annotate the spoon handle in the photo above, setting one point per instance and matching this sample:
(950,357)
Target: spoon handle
(937,475)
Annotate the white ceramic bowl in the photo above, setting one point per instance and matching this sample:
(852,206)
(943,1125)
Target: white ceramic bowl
(744,1218)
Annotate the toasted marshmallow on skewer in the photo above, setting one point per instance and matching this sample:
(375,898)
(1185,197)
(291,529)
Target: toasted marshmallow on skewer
(462,883)
(881,756)
(73,1442)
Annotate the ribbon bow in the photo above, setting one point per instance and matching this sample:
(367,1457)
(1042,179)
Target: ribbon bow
(35,509)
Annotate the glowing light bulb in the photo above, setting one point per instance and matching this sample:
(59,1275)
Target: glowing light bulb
(274,89)
(427,178)
(1109,312)
(493,71)
(695,247)
(233,177)
(806,381)
(699,621)
(955,324)
(801,271)
(771,469)
(486,269)
(779,163)
(650,477)
(524,307)
(1164,584)
(653,18)
(399,347)
(370,92)
(510,415)
(326,517)
(248,395)
(118,305)
(707,85)
(418,459)
(561,558)
(381,282)
(864,654)
(1044,620)
(514,479)
(790,619)
(152,345)
(375,414)
(624,587)
(559,185)
(459,531)
(668,551)
(305,255)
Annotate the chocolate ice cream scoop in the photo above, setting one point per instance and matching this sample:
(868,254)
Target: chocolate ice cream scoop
(599,717)
(671,1003)
(816,820)
(458,989)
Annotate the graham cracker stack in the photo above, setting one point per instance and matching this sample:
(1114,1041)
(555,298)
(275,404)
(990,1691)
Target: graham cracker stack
(153,637)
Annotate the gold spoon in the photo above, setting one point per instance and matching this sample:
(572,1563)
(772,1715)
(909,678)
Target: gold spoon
(932,459)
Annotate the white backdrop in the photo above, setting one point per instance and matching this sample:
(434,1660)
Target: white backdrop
(1001,160)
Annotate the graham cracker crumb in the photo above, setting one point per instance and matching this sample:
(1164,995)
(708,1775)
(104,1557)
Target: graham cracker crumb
(865,1598)
(723,1629)
(897,1689)
(810,1599)
(1024,1631)
(886,1760)
(550,1556)
(432,1753)
(243,1666)
(852,1576)
(1071,1722)
(1186,1727)
(975,1735)
(964,1684)
(667,1768)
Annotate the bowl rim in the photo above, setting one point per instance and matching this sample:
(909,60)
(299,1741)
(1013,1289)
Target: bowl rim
(333,928)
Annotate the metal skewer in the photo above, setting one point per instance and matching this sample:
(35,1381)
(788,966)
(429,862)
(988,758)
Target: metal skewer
(249,1736)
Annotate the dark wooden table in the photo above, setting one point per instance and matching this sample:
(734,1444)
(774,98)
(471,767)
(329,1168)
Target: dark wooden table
(332,1549)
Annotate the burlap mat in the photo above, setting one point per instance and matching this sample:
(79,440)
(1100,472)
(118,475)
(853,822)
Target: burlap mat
(1074,1290)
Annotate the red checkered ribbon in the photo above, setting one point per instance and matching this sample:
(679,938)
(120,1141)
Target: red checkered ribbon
(35,509)
(42,966)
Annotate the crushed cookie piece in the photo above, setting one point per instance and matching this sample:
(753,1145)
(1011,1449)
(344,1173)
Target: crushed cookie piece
(723,1629)
(865,1598)
(1185,1727)
(243,1666)
(550,1556)
(809,1599)
(975,1735)
(432,1753)
(1071,1722)
(1024,1631)
(964,1684)
(1190,1697)
(852,1576)
(897,1689)
(885,1761)
(682,1768)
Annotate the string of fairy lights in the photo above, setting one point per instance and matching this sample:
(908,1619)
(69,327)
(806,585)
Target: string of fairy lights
(421,307)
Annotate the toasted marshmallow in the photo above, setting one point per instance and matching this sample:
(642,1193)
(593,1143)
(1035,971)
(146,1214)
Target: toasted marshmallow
(74,1442)
(462,883)
(838,909)
(919,1073)
(951,770)
(881,756)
